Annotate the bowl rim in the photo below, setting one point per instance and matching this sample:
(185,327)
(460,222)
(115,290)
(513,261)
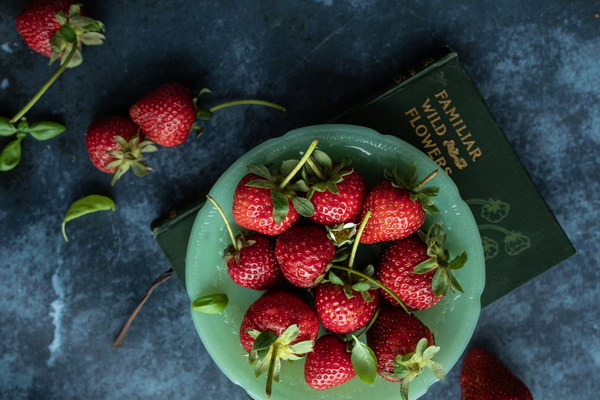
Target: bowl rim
(231,170)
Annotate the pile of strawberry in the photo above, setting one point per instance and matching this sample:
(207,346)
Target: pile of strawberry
(305,221)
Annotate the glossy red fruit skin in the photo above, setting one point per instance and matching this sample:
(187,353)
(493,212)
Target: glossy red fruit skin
(394,214)
(485,377)
(395,271)
(275,311)
(253,209)
(303,253)
(345,206)
(37,23)
(258,268)
(340,314)
(100,138)
(394,333)
(166,114)
(329,364)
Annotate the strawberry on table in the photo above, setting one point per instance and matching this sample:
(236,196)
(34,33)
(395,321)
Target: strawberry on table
(399,206)
(403,346)
(250,260)
(278,326)
(485,377)
(114,146)
(267,201)
(329,364)
(303,253)
(336,191)
(418,269)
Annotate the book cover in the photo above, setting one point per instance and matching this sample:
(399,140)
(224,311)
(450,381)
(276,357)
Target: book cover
(439,110)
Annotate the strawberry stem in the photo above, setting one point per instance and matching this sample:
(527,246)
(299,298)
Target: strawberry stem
(271,373)
(426,180)
(247,101)
(220,210)
(359,233)
(305,157)
(316,169)
(48,83)
(375,282)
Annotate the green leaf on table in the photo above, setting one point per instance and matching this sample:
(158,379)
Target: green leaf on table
(86,205)
(211,304)
(10,155)
(6,128)
(364,361)
(46,130)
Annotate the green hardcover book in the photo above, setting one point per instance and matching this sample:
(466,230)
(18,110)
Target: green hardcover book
(439,110)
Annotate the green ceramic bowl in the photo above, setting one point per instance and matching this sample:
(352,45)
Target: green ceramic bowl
(452,320)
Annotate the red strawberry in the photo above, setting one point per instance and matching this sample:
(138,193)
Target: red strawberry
(267,202)
(166,115)
(337,191)
(250,260)
(55,27)
(303,253)
(485,377)
(253,208)
(114,146)
(399,207)
(279,325)
(329,364)
(254,266)
(403,346)
(417,269)
(340,313)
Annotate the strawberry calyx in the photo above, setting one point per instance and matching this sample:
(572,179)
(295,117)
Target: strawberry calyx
(416,187)
(269,349)
(343,234)
(76,30)
(443,278)
(322,175)
(409,366)
(278,182)
(130,155)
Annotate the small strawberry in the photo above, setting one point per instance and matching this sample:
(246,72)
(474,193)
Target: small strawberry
(337,191)
(485,377)
(399,206)
(114,146)
(329,364)
(303,253)
(278,326)
(266,202)
(54,28)
(418,269)
(166,115)
(403,346)
(250,259)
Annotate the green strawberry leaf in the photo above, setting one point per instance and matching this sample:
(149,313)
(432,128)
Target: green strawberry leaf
(211,304)
(364,361)
(280,206)
(459,261)
(455,285)
(261,183)
(323,159)
(439,283)
(86,205)
(10,155)
(426,266)
(290,334)
(303,206)
(302,348)
(6,128)
(361,286)
(288,166)
(67,34)
(260,170)
(46,130)
(336,280)
(263,343)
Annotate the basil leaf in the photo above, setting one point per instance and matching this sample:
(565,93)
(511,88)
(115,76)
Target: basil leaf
(211,304)
(6,128)
(86,205)
(10,155)
(46,130)
(364,361)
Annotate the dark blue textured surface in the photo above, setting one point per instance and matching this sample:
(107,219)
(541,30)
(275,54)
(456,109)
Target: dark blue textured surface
(61,304)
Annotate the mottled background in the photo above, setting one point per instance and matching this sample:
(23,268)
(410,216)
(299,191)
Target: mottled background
(61,304)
